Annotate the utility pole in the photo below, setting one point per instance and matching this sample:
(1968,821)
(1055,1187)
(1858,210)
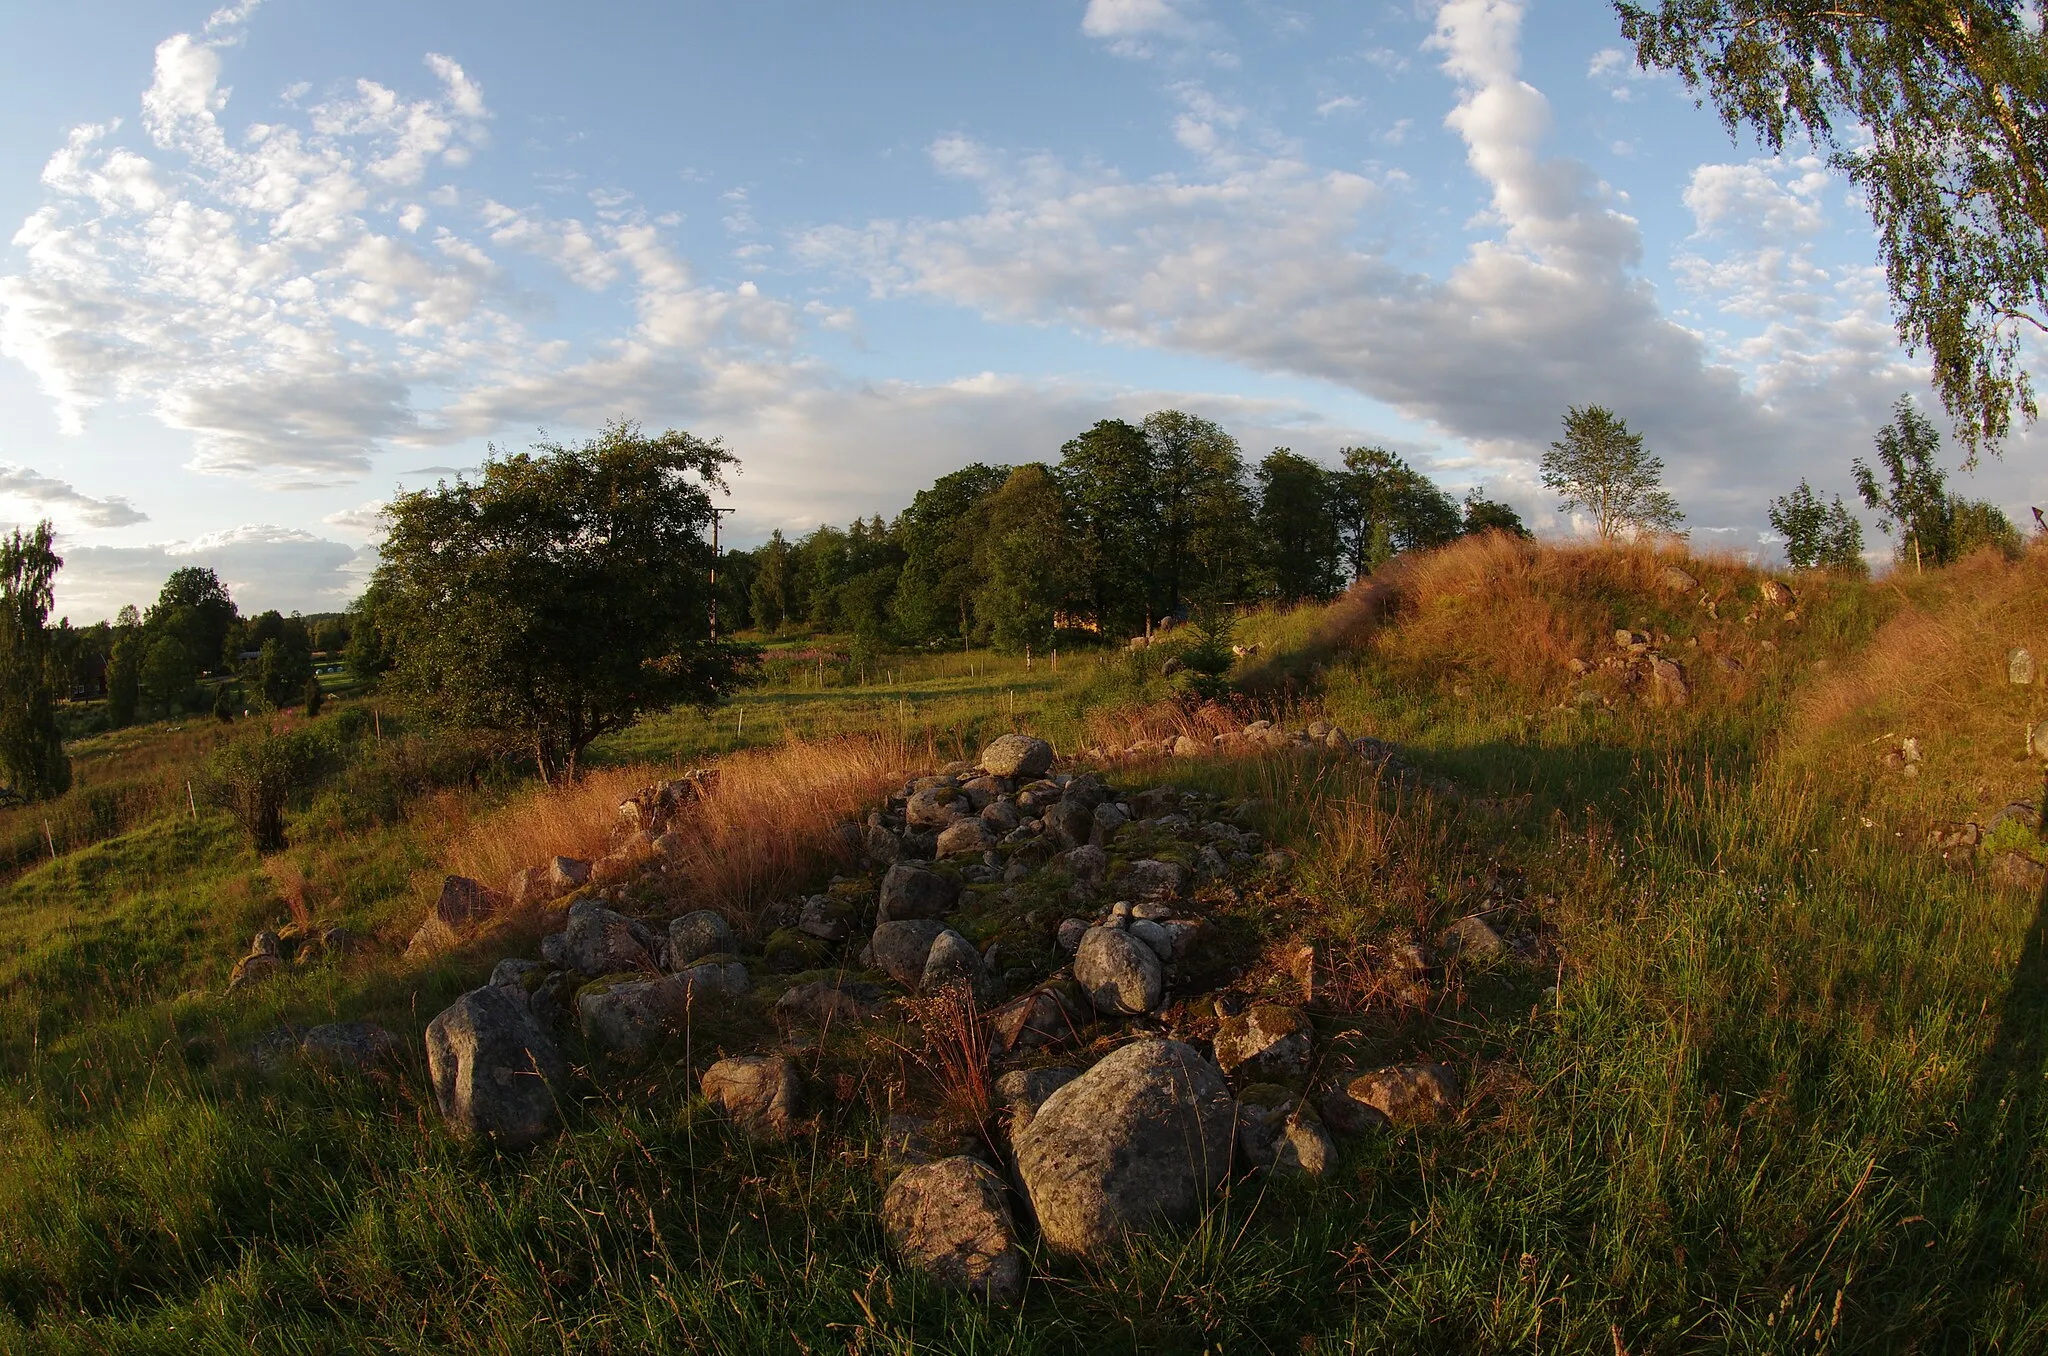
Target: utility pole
(717,515)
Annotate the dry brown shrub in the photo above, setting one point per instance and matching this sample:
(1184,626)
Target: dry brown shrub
(954,1053)
(762,831)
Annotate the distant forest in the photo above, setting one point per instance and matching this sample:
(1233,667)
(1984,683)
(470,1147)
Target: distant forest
(1136,523)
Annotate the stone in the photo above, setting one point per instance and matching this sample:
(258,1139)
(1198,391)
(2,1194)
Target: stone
(1121,975)
(1018,756)
(1045,1016)
(2019,666)
(1022,1091)
(1071,931)
(901,947)
(1409,1094)
(1280,1136)
(908,1142)
(1187,746)
(1350,1117)
(1146,879)
(982,792)
(910,891)
(495,1071)
(964,838)
(951,1220)
(1776,594)
(1473,936)
(758,1093)
(712,978)
(1001,816)
(826,918)
(1033,797)
(1267,1043)
(629,1018)
(702,932)
(358,1046)
(1669,679)
(670,846)
(2021,811)
(1085,863)
(2016,870)
(829,1003)
(883,847)
(566,874)
(952,962)
(934,807)
(599,941)
(511,972)
(2037,740)
(1139,1141)
(464,905)
(527,885)
(551,948)
(252,970)
(1676,580)
(1104,823)
(788,950)
(1070,821)
(1154,936)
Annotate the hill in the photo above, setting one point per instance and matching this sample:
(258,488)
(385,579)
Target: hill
(1753,1058)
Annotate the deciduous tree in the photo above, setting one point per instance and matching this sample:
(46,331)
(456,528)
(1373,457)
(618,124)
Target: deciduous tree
(1297,526)
(1817,535)
(31,748)
(1603,468)
(563,592)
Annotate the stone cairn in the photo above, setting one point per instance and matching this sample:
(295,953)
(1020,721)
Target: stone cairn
(1091,905)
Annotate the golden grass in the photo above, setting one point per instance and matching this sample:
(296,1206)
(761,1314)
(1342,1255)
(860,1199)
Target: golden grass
(1936,672)
(761,831)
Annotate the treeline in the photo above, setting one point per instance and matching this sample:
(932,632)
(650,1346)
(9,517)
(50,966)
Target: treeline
(1135,523)
(193,650)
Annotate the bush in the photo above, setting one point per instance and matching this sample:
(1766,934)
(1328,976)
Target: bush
(253,778)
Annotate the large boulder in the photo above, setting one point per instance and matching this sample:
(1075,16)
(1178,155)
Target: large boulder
(1017,756)
(953,963)
(901,947)
(910,891)
(935,807)
(1120,974)
(701,933)
(358,1046)
(464,906)
(951,1220)
(496,1073)
(599,941)
(630,1016)
(759,1093)
(1139,1141)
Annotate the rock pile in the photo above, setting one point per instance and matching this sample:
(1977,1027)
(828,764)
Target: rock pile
(1075,917)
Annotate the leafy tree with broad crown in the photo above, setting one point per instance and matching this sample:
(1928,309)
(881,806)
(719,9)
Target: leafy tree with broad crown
(1936,113)
(1297,526)
(1817,535)
(1203,546)
(1026,561)
(1490,515)
(1385,506)
(195,607)
(1603,468)
(1107,476)
(32,754)
(169,676)
(562,593)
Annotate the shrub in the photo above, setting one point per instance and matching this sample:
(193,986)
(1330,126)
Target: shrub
(253,778)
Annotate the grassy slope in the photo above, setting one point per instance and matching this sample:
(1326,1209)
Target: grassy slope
(1783,1095)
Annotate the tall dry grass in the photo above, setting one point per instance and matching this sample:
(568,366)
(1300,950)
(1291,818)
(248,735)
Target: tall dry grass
(762,831)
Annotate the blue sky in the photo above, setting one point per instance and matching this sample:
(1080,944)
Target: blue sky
(271,262)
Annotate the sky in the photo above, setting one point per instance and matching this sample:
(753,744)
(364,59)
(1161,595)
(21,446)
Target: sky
(268,264)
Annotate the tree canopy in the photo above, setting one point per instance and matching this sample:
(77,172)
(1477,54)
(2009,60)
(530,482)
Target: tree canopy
(561,593)
(1817,535)
(31,748)
(1603,468)
(1936,112)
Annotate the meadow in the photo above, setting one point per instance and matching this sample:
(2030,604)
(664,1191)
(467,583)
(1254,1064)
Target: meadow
(1782,1090)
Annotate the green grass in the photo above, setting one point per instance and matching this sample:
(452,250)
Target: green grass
(1781,1093)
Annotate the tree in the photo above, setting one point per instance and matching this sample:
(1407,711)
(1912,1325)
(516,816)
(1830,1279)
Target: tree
(1107,476)
(1974,525)
(1604,469)
(368,656)
(224,704)
(1297,526)
(195,607)
(1026,561)
(938,534)
(563,593)
(168,675)
(124,675)
(1490,515)
(1385,506)
(1914,499)
(283,667)
(1935,113)
(1202,546)
(1817,535)
(311,696)
(31,747)
(770,590)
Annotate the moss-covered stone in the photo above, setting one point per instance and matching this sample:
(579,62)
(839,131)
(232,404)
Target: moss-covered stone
(788,950)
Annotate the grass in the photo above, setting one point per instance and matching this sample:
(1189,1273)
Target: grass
(1778,1089)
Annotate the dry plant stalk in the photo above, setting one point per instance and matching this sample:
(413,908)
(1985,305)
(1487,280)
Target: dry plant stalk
(955,1054)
